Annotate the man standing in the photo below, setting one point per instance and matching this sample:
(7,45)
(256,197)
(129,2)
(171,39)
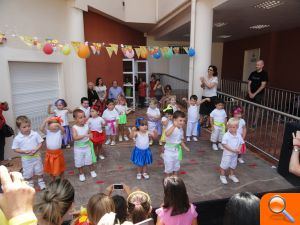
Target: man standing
(115,91)
(3,107)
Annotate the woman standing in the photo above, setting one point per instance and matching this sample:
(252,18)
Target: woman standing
(92,94)
(101,90)
(209,84)
(152,84)
(158,90)
(3,107)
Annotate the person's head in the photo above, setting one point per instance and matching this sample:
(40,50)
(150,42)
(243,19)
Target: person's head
(237,111)
(219,103)
(60,104)
(79,117)
(98,205)
(168,112)
(120,208)
(168,88)
(121,100)
(84,102)
(172,99)
(233,125)
(55,202)
(175,195)
(242,208)
(115,84)
(212,71)
(193,99)
(23,124)
(91,86)
(157,81)
(153,77)
(94,112)
(99,81)
(141,124)
(53,123)
(4,106)
(110,104)
(153,103)
(259,65)
(141,80)
(139,206)
(179,118)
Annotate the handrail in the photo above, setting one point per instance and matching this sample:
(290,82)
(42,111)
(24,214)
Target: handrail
(168,75)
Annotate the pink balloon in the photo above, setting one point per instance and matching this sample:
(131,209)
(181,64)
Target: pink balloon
(129,53)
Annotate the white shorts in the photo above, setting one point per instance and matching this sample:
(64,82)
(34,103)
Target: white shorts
(217,134)
(229,161)
(171,161)
(192,129)
(32,167)
(109,131)
(82,156)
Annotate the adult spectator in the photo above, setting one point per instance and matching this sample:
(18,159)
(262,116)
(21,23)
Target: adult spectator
(242,208)
(168,90)
(101,90)
(3,107)
(209,84)
(92,94)
(115,91)
(159,91)
(152,84)
(294,162)
(142,90)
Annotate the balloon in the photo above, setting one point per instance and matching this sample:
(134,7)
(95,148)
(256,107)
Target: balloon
(169,54)
(66,50)
(48,49)
(191,52)
(129,53)
(83,51)
(157,55)
(144,55)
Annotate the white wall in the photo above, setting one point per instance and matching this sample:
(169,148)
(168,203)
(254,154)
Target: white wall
(167,6)
(217,56)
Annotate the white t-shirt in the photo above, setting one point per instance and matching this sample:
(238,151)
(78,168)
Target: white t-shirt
(101,91)
(233,141)
(142,140)
(63,114)
(27,142)
(110,114)
(53,140)
(87,111)
(121,109)
(95,124)
(176,137)
(84,130)
(193,113)
(153,113)
(219,115)
(242,124)
(210,92)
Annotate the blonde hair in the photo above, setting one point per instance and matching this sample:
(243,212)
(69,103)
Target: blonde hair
(139,206)
(98,205)
(22,119)
(232,121)
(153,101)
(55,202)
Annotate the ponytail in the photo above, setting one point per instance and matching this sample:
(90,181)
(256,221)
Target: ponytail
(139,206)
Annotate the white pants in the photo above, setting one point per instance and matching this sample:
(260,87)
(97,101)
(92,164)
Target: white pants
(171,161)
(229,161)
(217,134)
(192,129)
(82,156)
(32,167)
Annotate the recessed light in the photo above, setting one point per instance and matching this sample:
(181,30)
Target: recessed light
(259,26)
(224,36)
(220,24)
(269,4)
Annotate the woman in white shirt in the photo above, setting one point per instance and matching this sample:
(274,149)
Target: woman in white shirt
(101,90)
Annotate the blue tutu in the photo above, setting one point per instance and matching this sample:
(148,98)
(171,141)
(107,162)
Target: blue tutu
(141,157)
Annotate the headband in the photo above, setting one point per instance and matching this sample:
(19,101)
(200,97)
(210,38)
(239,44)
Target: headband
(237,111)
(56,119)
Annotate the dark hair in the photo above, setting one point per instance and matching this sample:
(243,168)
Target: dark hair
(55,201)
(157,80)
(242,208)
(83,99)
(108,101)
(140,122)
(120,208)
(236,108)
(169,87)
(218,101)
(76,112)
(97,81)
(194,97)
(175,195)
(178,114)
(62,101)
(215,70)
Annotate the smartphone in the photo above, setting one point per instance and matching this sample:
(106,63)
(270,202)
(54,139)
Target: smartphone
(118,187)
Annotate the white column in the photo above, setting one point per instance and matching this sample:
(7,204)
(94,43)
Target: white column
(202,40)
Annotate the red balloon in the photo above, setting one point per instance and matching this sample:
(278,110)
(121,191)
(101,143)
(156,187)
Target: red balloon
(48,49)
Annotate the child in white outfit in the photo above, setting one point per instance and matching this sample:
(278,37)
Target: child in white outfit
(232,143)
(218,119)
(28,143)
(85,107)
(153,115)
(111,117)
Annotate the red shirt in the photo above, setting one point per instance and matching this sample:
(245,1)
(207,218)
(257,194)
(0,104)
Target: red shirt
(152,84)
(142,89)
(2,119)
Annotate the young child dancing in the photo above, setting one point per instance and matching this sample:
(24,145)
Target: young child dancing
(193,116)
(95,123)
(141,155)
(54,163)
(232,143)
(173,103)
(153,115)
(28,143)
(84,154)
(174,144)
(85,107)
(123,110)
(237,113)
(166,120)
(111,117)
(218,119)
(62,111)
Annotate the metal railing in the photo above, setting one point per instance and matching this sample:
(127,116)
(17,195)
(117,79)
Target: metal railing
(265,126)
(275,98)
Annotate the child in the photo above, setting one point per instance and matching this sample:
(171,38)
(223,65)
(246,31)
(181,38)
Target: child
(95,123)
(139,206)
(85,107)
(141,155)
(218,120)
(84,154)
(28,143)
(153,115)
(62,111)
(173,150)
(111,117)
(166,120)
(123,110)
(193,116)
(173,104)
(237,113)
(54,163)
(232,143)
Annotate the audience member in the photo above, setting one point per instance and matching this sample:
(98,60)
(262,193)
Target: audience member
(294,162)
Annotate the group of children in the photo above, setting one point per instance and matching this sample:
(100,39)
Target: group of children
(89,136)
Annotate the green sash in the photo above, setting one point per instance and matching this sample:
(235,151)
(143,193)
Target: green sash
(36,155)
(178,147)
(219,124)
(82,144)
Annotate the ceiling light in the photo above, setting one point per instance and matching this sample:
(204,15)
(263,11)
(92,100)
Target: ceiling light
(224,36)
(269,4)
(259,26)
(220,24)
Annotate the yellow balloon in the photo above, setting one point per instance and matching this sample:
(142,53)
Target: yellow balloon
(66,50)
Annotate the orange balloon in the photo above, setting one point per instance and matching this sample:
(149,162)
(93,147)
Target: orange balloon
(83,51)
(144,55)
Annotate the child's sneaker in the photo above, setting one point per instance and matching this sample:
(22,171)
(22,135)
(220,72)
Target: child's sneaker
(223,179)
(220,146)
(81,177)
(102,157)
(188,139)
(68,146)
(113,143)
(139,176)
(241,160)
(160,143)
(120,138)
(146,176)
(233,178)
(195,139)
(126,138)
(107,142)
(42,184)
(162,155)
(215,147)
(151,142)
(93,174)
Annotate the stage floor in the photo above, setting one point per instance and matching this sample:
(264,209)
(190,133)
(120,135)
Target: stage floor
(199,169)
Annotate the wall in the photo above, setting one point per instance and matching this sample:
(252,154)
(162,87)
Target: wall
(279,50)
(101,29)
(165,7)
(217,56)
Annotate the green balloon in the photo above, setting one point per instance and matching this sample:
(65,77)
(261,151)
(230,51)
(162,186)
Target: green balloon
(169,54)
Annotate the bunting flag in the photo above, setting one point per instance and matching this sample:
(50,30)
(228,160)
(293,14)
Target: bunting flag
(186,49)
(76,45)
(96,48)
(28,40)
(138,52)
(164,50)
(114,48)
(109,51)
(176,50)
